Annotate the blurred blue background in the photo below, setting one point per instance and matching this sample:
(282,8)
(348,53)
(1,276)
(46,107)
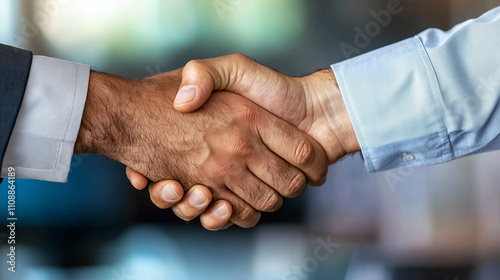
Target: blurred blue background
(439,222)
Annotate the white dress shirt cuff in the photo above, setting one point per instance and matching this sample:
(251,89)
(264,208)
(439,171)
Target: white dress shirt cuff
(428,99)
(42,142)
(394,101)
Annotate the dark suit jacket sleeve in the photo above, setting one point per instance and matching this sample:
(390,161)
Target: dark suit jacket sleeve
(15,65)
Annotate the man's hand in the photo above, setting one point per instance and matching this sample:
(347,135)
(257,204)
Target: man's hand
(242,153)
(313,103)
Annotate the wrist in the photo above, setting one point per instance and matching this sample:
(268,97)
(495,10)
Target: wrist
(103,129)
(322,90)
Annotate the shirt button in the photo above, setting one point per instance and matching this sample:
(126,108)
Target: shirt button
(408,157)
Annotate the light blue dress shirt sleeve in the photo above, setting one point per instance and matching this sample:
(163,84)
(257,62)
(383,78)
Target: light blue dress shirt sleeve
(428,99)
(42,142)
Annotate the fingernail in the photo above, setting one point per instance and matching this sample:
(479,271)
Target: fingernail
(197,198)
(169,194)
(185,94)
(220,211)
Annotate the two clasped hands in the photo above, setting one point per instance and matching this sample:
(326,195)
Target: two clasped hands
(232,137)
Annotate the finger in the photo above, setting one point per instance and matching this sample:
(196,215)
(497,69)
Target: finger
(201,77)
(166,193)
(243,214)
(295,147)
(320,182)
(285,178)
(137,180)
(217,216)
(194,202)
(228,225)
(256,193)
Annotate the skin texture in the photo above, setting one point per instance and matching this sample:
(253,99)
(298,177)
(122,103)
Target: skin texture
(243,154)
(313,104)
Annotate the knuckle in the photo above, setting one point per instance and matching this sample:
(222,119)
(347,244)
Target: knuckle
(248,215)
(219,168)
(318,174)
(270,203)
(296,186)
(304,152)
(194,65)
(246,113)
(239,57)
(240,147)
(323,172)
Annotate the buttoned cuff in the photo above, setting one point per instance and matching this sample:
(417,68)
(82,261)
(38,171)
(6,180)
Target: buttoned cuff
(395,104)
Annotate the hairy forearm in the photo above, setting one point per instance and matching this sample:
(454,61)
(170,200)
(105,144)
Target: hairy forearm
(125,120)
(105,126)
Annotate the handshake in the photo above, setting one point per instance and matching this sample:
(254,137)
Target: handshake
(234,135)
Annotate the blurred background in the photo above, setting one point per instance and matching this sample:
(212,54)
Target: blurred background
(439,222)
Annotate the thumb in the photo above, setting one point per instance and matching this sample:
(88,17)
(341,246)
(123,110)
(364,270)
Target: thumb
(196,86)
(201,77)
